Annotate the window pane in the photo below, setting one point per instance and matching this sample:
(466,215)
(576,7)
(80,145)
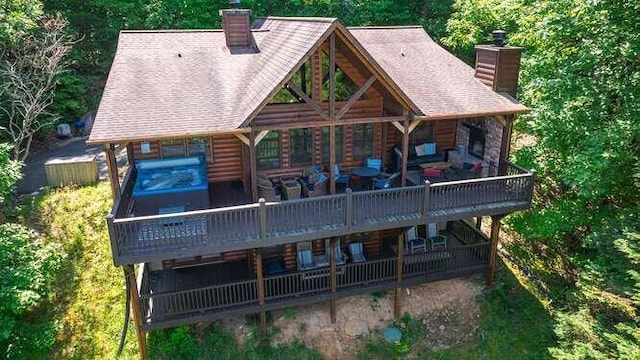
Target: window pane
(363,137)
(268,151)
(300,146)
(172,148)
(200,146)
(325,144)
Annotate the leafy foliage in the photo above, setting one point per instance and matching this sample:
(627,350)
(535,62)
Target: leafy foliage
(9,175)
(581,76)
(29,267)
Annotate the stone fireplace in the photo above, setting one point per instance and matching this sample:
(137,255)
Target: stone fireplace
(481,138)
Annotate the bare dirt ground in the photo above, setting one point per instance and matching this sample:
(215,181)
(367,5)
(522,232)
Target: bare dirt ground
(447,310)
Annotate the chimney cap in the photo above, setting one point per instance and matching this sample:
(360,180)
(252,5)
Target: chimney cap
(499,36)
(234,4)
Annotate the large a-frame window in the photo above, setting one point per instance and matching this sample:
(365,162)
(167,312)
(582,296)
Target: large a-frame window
(363,137)
(339,144)
(301,80)
(301,146)
(268,151)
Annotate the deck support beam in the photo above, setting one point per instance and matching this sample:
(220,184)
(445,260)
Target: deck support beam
(260,288)
(396,302)
(332,112)
(112,167)
(405,151)
(253,164)
(130,278)
(334,277)
(505,146)
(493,250)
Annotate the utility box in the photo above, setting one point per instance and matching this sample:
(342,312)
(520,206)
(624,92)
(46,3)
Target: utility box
(78,170)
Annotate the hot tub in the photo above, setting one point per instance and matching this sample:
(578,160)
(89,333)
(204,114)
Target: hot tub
(170,184)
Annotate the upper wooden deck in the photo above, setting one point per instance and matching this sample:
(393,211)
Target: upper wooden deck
(212,231)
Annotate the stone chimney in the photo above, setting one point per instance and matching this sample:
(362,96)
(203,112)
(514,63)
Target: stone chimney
(236,25)
(497,65)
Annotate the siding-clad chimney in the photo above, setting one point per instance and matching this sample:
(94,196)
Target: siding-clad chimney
(236,25)
(498,66)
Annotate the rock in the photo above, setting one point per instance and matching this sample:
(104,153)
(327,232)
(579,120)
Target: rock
(313,320)
(356,328)
(441,328)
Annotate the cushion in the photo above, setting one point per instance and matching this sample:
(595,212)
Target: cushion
(432,172)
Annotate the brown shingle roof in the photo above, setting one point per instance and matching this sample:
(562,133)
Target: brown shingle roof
(180,83)
(441,85)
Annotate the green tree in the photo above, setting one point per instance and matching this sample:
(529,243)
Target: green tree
(9,176)
(28,269)
(581,76)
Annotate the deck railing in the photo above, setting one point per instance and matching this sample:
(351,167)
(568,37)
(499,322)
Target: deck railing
(160,237)
(292,288)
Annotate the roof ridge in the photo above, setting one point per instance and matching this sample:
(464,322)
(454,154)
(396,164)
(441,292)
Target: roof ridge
(299,18)
(384,27)
(171,30)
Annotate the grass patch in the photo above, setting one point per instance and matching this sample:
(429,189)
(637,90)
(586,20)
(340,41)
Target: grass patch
(89,299)
(214,342)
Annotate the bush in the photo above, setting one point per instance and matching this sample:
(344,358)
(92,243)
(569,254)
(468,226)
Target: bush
(28,269)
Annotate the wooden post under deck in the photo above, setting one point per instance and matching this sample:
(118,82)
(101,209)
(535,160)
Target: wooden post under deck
(263,314)
(396,302)
(493,252)
(254,166)
(405,151)
(112,167)
(334,278)
(130,278)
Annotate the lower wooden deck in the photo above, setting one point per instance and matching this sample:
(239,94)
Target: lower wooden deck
(183,296)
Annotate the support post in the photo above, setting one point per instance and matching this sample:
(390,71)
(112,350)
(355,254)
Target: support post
(112,167)
(479,223)
(332,158)
(332,111)
(505,146)
(334,278)
(405,151)
(130,276)
(260,288)
(253,166)
(493,252)
(396,302)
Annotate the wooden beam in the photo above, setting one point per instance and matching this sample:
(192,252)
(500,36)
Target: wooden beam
(493,252)
(357,95)
(334,277)
(501,120)
(308,100)
(112,168)
(414,124)
(130,278)
(398,126)
(332,159)
(261,136)
(243,138)
(332,76)
(405,151)
(505,147)
(253,166)
(260,289)
(317,123)
(396,303)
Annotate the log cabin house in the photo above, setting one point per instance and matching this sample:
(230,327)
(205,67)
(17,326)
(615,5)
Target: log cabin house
(257,149)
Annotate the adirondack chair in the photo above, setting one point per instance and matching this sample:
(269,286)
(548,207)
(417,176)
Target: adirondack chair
(357,254)
(414,243)
(340,257)
(438,242)
(340,178)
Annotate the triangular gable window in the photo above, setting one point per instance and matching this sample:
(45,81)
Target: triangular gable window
(302,80)
(345,87)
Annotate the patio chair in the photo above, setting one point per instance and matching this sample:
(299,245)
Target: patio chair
(384,181)
(340,258)
(340,178)
(305,260)
(357,255)
(414,243)
(438,242)
(375,163)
